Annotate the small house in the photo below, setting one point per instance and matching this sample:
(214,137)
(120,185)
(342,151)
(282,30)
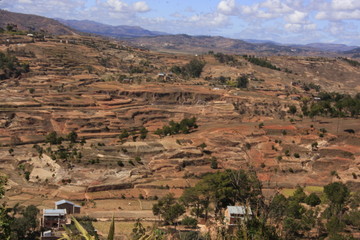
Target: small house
(236,214)
(53,218)
(70,207)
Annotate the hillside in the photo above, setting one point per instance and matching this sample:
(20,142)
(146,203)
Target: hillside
(111,126)
(203,44)
(108,30)
(34,23)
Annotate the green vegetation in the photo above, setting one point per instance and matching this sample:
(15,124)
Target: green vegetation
(261,62)
(168,209)
(242,82)
(224,58)
(333,105)
(189,222)
(351,62)
(53,138)
(17,222)
(11,67)
(193,69)
(214,163)
(184,126)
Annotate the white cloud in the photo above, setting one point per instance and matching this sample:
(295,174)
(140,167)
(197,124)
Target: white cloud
(25,1)
(338,15)
(297,17)
(207,20)
(141,7)
(276,6)
(227,6)
(297,27)
(345,4)
(117,5)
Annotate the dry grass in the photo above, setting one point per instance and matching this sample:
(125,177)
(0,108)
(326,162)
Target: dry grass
(121,228)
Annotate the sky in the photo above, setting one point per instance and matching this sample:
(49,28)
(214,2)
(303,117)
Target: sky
(284,21)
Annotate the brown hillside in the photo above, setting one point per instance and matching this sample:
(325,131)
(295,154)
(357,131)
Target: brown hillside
(34,23)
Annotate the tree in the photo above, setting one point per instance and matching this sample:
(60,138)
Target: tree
(194,68)
(313,200)
(168,208)
(242,82)
(53,138)
(292,109)
(214,163)
(143,133)
(24,227)
(124,134)
(72,137)
(338,194)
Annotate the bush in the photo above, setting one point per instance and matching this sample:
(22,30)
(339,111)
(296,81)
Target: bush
(296,155)
(214,163)
(189,222)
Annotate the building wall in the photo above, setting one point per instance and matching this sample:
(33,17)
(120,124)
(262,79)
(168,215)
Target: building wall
(53,222)
(76,210)
(67,206)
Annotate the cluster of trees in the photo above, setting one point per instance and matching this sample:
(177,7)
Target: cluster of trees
(18,222)
(54,139)
(184,126)
(260,62)
(192,69)
(351,62)
(11,67)
(224,58)
(333,105)
(333,215)
(135,133)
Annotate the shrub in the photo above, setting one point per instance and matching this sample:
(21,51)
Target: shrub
(189,222)
(214,163)
(296,155)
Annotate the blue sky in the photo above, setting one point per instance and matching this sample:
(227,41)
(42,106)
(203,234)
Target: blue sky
(286,21)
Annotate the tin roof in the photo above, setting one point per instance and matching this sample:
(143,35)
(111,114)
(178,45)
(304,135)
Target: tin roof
(54,212)
(239,210)
(65,201)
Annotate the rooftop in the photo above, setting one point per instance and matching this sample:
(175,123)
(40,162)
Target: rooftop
(65,201)
(54,212)
(242,210)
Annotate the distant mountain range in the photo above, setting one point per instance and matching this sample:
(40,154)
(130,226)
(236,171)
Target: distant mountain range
(166,42)
(122,31)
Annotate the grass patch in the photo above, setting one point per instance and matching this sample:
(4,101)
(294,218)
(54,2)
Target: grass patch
(315,189)
(287,192)
(121,228)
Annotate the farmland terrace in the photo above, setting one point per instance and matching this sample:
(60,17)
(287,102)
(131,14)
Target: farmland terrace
(100,89)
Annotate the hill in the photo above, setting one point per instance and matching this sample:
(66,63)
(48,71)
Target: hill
(202,44)
(331,47)
(122,31)
(34,23)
